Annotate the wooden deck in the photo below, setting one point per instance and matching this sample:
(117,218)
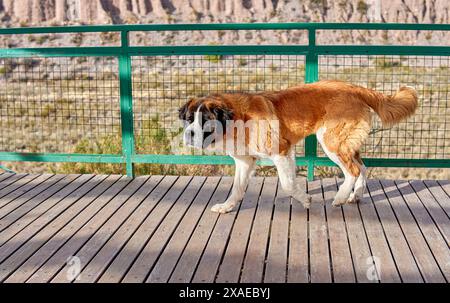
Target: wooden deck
(160,229)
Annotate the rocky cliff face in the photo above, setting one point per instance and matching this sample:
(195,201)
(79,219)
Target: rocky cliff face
(139,11)
(63,12)
(60,12)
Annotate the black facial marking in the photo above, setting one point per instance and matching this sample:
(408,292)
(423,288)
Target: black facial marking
(217,117)
(222,115)
(182,111)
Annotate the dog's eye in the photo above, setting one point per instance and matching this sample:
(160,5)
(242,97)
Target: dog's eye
(208,116)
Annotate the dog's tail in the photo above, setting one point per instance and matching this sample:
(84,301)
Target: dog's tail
(394,108)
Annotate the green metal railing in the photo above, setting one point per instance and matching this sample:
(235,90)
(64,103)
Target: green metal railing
(134,90)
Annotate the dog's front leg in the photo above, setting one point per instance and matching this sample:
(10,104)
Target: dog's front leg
(245,166)
(286,171)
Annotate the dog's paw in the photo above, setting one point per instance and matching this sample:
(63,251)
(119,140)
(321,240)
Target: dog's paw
(222,208)
(338,201)
(305,200)
(353,198)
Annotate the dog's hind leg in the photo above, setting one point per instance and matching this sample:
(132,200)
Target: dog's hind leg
(343,156)
(286,172)
(360,183)
(245,166)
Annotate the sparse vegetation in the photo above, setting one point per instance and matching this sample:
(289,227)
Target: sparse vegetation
(109,37)
(362,7)
(384,62)
(77,39)
(29,63)
(317,3)
(214,58)
(241,61)
(48,110)
(221,34)
(6,69)
(42,39)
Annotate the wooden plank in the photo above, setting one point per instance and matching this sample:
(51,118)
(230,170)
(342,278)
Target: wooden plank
(20,187)
(122,262)
(185,268)
(166,263)
(84,205)
(404,259)
(4,176)
(89,218)
(341,258)
(152,250)
(359,245)
(277,254)
(30,230)
(37,203)
(71,248)
(377,241)
(114,245)
(298,259)
(107,253)
(445,185)
(440,218)
(230,268)
(439,247)
(319,254)
(32,197)
(253,269)
(10,180)
(214,250)
(90,249)
(35,213)
(439,194)
(416,241)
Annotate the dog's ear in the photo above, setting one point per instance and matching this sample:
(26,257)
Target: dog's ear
(182,111)
(222,114)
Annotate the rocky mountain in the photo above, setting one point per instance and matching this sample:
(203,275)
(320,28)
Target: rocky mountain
(65,12)
(139,11)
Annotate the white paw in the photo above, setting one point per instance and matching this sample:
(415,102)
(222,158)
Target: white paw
(354,198)
(222,208)
(305,200)
(338,201)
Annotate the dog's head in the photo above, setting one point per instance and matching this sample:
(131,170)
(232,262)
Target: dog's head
(205,120)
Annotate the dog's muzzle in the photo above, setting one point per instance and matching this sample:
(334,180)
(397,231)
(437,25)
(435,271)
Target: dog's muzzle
(193,137)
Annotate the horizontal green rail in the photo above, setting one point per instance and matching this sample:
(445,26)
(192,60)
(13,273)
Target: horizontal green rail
(46,157)
(210,160)
(124,52)
(224,26)
(227,50)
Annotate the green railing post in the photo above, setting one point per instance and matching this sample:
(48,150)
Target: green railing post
(126,104)
(311,75)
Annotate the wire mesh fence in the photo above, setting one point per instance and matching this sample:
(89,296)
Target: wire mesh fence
(59,105)
(71,104)
(68,104)
(425,135)
(162,84)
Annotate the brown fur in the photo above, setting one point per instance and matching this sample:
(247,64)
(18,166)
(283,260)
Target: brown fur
(343,108)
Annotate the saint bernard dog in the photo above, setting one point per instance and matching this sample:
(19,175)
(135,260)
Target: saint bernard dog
(338,113)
